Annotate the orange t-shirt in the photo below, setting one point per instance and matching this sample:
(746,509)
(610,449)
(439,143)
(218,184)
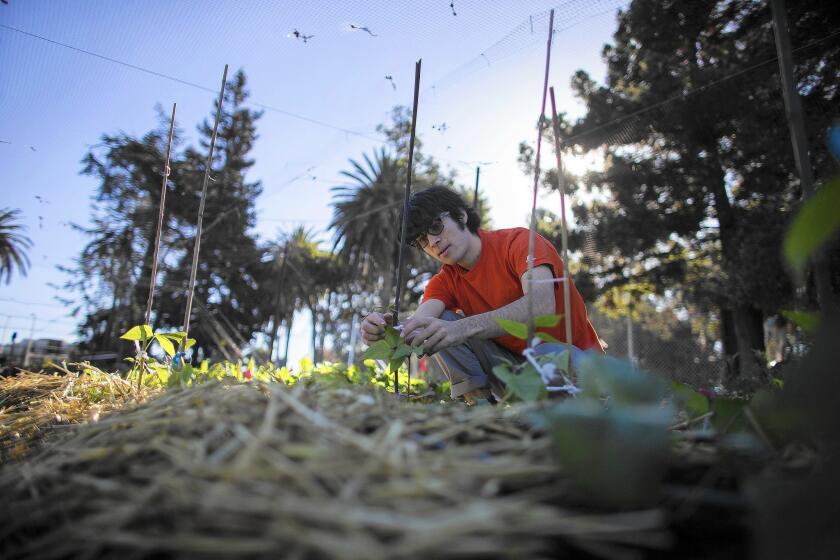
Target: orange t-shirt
(495,281)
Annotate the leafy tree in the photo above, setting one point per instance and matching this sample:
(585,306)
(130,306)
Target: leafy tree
(697,188)
(13,245)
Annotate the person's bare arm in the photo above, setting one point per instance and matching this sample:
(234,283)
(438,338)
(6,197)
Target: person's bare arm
(436,334)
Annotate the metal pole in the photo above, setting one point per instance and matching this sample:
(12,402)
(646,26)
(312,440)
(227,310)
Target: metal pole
(532,238)
(793,108)
(197,247)
(475,195)
(29,343)
(405,204)
(564,228)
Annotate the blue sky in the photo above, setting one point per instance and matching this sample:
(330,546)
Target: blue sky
(482,76)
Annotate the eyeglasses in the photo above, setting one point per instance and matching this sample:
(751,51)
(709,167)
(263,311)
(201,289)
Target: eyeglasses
(435,228)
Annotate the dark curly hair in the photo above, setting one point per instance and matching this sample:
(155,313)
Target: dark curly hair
(426,205)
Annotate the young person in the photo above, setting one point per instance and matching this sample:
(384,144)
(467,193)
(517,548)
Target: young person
(484,277)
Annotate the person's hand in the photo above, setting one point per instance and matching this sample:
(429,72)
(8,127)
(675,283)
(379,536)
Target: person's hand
(433,333)
(373,326)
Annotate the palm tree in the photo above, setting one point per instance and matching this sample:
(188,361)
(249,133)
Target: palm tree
(366,221)
(12,245)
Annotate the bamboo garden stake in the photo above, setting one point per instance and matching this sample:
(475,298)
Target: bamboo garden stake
(197,247)
(533,234)
(141,355)
(564,230)
(405,211)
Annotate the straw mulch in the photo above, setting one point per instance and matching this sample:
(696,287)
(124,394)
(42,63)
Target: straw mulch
(36,405)
(226,470)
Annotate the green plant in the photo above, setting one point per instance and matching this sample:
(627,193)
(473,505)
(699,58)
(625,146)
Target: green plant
(144,337)
(524,381)
(393,349)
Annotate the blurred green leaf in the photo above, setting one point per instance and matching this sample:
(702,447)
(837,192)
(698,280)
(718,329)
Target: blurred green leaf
(514,328)
(526,385)
(547,320)
(729,415)
(379,350)
(619,379)
(545,337)
(816,221)
(139,332)
(615,455)
(689,400)
(808,321)
(189,344)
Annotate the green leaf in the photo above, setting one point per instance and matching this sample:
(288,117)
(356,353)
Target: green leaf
(139,332)
(519,330)
(615,455)
(729,415)
(189,344)
(527,385)
(690,400)
(560,359)
(392,336)
(808,321)
(402,351)
(379,350)
(547,320)
(418,350)
(545,337)
(816,221)
(394,365)
(166,344)
(619,379)
(177,337)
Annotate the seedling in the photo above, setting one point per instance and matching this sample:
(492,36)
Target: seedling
(144,337)
(393,349)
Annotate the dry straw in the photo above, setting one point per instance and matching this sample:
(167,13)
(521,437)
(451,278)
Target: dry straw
(33,405)
(257,471)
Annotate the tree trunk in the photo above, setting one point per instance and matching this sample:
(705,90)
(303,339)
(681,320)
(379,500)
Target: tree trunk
(325,323)
(743,366)
(749,334)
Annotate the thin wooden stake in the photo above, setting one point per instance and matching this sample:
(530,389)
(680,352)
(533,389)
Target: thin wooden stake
(197,247)
(532,238)
(567,291)
(405,210)
(160,218)
(142,358)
